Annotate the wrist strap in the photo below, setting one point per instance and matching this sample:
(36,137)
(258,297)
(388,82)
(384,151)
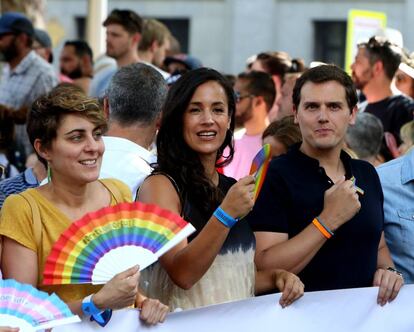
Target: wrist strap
(326,232)
(226,219)
(97,315)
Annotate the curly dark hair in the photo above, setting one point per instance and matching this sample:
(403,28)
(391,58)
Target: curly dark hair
(175,157)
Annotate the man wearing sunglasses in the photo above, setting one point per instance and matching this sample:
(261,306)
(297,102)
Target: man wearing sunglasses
(372,72)
(255,93)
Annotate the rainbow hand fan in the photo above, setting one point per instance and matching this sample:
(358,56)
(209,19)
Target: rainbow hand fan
(259,168)
(29,309)
(106,242)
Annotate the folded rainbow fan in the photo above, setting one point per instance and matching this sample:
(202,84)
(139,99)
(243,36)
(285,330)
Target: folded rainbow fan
(106,242)
(29,309)
(259,168)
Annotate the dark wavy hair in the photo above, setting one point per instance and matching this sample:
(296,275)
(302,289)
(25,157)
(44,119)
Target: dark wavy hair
(175,157)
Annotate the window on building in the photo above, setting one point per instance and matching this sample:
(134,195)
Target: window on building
(180,28)
(80,23)
(330,41)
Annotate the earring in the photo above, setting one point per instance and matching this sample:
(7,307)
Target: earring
(49,173)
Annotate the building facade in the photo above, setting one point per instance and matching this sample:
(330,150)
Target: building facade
(224,33)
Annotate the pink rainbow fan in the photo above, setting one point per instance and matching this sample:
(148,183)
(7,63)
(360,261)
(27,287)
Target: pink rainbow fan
(29,309)
(106,242)
(259,168)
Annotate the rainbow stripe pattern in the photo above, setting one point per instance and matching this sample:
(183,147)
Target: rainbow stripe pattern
(108,241)
(259,168)
(24,306)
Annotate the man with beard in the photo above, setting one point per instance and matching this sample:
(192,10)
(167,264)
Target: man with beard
(255,94)
(123,34)
(372,72)
(76,62)
(26,76)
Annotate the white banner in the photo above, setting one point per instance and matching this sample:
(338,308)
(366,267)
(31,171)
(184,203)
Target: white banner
(348,310)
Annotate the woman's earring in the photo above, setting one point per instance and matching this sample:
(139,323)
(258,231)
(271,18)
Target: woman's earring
(49,173)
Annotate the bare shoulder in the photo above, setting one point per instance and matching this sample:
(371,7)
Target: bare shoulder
(158,189)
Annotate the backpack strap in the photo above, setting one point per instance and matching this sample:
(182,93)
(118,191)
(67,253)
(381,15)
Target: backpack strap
(36,221)
(114,190)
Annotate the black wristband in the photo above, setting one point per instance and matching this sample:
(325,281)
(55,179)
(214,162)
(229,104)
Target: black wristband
(390,268)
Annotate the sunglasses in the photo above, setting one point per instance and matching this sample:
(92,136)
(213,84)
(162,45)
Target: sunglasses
(239,97)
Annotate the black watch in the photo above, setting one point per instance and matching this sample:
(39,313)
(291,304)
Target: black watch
(389,268)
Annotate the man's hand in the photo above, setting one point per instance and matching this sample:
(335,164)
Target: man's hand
(290,286)
(389,283)
(341,203)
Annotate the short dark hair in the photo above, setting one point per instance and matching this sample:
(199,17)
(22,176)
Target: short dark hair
(285,130)
(322,74)
(260,84)
(280,63)
(47,112)
(381,49)
(81,48)
(129,19)
(136,93)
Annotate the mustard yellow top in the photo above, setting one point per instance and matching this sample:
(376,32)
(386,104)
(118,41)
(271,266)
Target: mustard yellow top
(16,224)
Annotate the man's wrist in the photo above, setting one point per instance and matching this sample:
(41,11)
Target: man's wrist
(393,270)
(328,221)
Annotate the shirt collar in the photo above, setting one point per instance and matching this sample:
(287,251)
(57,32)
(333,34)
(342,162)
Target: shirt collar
(119,143)
(24,64)
(295,152)
(407,168)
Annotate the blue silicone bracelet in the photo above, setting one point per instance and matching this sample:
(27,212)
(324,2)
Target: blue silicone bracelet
(225,218)
(89,309)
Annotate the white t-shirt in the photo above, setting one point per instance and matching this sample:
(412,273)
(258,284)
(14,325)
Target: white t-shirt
(126,161)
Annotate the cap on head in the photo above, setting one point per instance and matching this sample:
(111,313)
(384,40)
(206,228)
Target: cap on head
(189,61)
(43,38)
(13,22)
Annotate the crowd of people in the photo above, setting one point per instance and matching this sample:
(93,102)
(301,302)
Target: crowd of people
(148,123)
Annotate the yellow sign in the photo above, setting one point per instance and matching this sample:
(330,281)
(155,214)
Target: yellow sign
(361,26)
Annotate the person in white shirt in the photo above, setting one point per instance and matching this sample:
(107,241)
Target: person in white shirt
(133,105)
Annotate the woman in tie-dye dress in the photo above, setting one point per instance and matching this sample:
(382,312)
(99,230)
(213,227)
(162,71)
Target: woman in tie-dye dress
(216,263)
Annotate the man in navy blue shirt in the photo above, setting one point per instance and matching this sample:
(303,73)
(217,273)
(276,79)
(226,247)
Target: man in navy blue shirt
(319,213)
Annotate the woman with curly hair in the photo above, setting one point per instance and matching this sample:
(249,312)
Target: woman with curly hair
(216,263)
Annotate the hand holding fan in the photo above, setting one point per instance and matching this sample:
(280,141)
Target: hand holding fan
(259,168)
(29,309)
(106,242)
